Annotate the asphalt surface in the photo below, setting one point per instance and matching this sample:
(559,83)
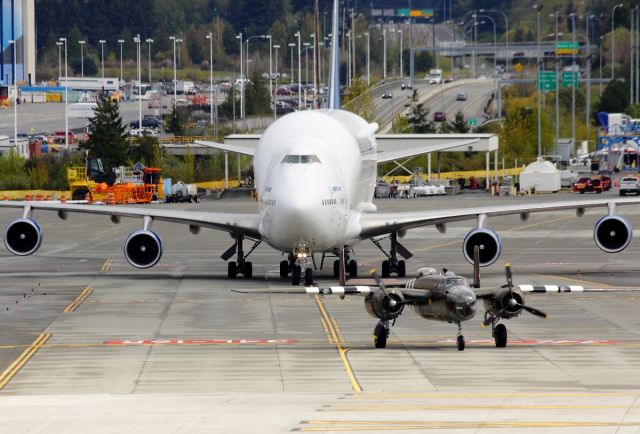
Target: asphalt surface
(171,349)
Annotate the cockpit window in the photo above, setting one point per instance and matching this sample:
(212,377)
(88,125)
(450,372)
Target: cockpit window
(300,159)
(455,281)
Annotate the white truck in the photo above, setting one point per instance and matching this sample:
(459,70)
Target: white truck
(629,184)
(181,192)
(435,76)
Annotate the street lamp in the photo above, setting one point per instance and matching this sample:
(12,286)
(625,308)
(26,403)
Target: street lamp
(349,59)
(239,36)
(506,35)
(137,40)
(299,71)
(66,96)
(315,76)
(495,52)
(306,46)
(275,93)
(102,42)
(15,97)
(538,8)
(121,41)
(292,46)
(270,65)
(175,77)
(613,40)
(59,44)
(556,16)
(81,58)
(210,38)
(384,52)
(149,41)
(368,50)
(400,35)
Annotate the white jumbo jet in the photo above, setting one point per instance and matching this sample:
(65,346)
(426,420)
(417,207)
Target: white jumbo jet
(315,173)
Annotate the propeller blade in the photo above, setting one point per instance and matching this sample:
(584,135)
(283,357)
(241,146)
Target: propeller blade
(534,311)
(509,276)
(376,277)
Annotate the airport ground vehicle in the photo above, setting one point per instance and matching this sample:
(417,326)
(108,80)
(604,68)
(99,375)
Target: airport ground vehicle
(123,184)
(181,192)
(629,185)
(583,185)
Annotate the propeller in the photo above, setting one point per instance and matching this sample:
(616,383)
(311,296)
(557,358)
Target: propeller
(512,300)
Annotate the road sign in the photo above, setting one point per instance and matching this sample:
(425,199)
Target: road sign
(569,78)
(547,80)
(473,122)
(567,47)
(406,12)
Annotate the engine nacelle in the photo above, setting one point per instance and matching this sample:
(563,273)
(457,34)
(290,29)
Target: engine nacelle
(489,243)
(506,304)
(612,233)
(143,248)
(23,236)
(385,305)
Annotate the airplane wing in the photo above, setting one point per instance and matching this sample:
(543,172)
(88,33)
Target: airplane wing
(245,150)
(375,224)
(385,156)
(411,295)
(245,224)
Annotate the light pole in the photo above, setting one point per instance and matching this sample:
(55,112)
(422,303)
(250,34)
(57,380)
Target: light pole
(349,59)
(538,8)
(299,71)
(495,52)
(15,97)
(613,41)
(121,41)
(315,74)
(270,65)
(506,35)
(239,36)
(573,83)
(306,46)
(59,44)
(275,93)
(384,52)
(175,78)
(66,96)
(137,40)
(149,41)
(557,70)
(400,33)
(82,57)
(211,103)
(102,42)
(292,46)
(368,49)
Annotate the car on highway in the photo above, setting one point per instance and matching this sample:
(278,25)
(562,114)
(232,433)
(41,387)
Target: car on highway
(407,84)
(439,116)
(387,95)
(461,96)
(448,79)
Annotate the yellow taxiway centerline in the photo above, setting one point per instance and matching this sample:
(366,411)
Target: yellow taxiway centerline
(78,300)
(337,342)
(13,369)
(106,266)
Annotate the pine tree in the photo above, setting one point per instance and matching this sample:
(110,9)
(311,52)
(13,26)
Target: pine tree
(107,138)
(175,124)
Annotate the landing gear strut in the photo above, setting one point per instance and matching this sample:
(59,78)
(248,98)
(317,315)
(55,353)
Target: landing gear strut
(380,334)
(300,269)
(498,331)
(393,265)
(240,265)
(460,340)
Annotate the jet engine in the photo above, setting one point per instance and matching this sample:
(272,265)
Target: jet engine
(488,242)
(385,305)
(23,236)
(506,304)
(143,248)
(612,233)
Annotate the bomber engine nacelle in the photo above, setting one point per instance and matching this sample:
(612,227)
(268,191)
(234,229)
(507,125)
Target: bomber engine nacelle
(143,248)
(385,305)
(488,242)
(506,304)
(612,233)
(23,236)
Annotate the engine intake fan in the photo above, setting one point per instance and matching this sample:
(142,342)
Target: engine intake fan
(143,248)
(23,236)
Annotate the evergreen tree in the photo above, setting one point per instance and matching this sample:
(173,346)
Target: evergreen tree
(175,124)
(614,99)
(107,138)
(258,101)
(459,124)
(418,119)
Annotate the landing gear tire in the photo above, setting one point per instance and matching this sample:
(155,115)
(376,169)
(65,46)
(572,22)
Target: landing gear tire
(386,268)
(295,275)
(336,268)
(402,269)
(284,269)
(247,270)
(232,270)
(353,268)
(308,277)
(500,335)
(380,335)
(460,343)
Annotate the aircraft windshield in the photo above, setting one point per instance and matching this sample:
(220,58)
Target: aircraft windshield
(455,281)
(300,159)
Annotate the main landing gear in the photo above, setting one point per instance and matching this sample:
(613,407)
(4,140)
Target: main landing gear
(392,265)
(240,265)
(460,343)
(498,331)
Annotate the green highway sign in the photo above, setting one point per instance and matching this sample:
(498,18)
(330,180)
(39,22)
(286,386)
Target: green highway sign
(567,47)
(547,80)
(473,122)
(569,79)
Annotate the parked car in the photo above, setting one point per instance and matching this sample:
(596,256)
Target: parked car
(439,116)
